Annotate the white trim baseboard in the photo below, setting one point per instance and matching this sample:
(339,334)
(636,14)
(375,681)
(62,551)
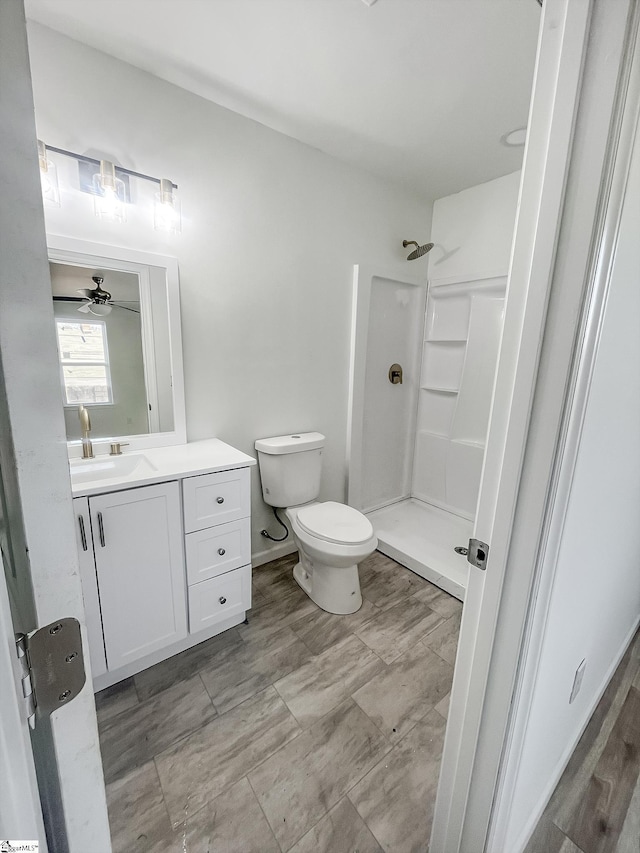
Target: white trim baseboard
(269,554)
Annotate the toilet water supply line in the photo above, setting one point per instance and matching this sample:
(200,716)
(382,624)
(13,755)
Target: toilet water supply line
(266,533)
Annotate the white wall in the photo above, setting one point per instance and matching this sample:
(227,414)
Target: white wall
(271,229)
(473,230)
(595,600)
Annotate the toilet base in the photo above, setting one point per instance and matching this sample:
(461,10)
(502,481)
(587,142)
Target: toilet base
(332,589)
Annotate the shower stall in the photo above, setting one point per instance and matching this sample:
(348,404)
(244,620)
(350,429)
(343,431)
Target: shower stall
(417,436)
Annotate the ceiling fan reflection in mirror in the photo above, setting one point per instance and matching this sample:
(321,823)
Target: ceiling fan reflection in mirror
(94,300)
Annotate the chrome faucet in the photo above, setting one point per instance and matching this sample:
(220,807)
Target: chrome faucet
(85,426)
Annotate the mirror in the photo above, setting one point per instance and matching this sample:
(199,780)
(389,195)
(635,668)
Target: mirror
(116,313)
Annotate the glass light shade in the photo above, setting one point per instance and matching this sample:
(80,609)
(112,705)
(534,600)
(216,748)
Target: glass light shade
(100,309)
(48,177)
(166,209)
(109,194)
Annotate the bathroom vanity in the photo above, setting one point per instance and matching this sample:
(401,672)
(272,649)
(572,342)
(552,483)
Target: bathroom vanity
(165,551)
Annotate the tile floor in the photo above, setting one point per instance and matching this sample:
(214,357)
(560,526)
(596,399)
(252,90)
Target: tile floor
(301,731)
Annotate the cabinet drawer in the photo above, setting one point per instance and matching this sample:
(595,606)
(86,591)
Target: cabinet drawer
(217,550)
(212,499)
(219,598)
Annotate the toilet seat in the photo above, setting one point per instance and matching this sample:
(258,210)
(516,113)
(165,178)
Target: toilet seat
(335,522)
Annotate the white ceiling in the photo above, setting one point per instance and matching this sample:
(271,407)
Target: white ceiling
(419,91)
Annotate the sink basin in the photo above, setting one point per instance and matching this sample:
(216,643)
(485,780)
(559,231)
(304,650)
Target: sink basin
(110,467)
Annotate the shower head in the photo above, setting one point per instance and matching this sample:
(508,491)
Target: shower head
(419,251)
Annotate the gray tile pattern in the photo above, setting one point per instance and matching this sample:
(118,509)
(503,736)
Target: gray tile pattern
(327,679)
(232,823)
(405,691)
(134,736)
(180,667)
(203,765)
(249,668)
(297,785)
(396,799)
(395,630)
(444,639)
(341,830)
(300,731)
(138,817)
(113,700)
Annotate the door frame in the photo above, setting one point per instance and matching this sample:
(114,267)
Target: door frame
(591,323)
(583,55)
(20,812)
(37,534)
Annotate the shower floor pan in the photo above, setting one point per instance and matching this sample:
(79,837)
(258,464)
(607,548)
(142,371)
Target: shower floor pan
(422,538)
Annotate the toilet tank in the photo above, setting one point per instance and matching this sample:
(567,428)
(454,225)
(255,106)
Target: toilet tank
(290,468)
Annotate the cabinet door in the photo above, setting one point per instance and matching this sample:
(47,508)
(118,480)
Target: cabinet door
(89,587)
(139,557)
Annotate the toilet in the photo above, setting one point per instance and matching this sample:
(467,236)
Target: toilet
(332,538)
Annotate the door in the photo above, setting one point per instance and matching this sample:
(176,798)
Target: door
(138,545)
(36,526)
(573,130)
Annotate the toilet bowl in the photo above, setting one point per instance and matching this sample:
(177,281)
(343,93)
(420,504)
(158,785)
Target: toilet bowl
(332,538)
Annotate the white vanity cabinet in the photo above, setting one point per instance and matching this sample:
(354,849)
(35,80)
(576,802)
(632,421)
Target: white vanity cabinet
(165,564)
(136,542)
(218,546)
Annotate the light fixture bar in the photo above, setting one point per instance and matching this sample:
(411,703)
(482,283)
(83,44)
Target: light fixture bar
(95,162)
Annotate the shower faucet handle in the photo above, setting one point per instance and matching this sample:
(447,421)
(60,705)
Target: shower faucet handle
(395,374)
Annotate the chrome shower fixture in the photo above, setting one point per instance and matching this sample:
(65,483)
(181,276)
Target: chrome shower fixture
(419,251)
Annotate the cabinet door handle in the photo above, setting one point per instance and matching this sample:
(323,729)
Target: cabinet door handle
(83,535)
(101,529)
(220,500)
(221,551)
(222,599)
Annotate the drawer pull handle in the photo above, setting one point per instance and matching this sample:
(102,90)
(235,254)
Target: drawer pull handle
(101,530)
(222,599)
(220,500)
(221,551)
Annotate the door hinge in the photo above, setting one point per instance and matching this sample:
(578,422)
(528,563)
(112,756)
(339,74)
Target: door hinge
(478,553)
(52,667)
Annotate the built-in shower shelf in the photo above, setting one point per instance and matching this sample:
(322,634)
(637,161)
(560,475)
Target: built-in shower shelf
(438,389)
(446,341)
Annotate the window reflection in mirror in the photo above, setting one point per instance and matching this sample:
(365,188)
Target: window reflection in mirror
(113,350)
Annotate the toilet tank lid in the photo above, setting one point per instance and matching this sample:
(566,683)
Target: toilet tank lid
(290,443)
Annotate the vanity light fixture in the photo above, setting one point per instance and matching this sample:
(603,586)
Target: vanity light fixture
(48,177)
(109,193)
(166,209)
(109,186)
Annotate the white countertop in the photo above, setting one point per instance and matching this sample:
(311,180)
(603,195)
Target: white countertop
(159,465)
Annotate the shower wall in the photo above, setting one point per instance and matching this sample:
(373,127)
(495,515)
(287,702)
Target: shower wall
(396,312)
(459,356)
(425,439)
